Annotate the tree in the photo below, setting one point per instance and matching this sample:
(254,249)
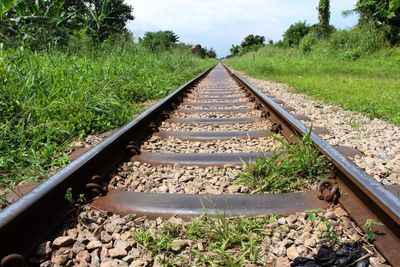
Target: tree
(323,17)
(106,17)
(384,14)
(211,53)
(251,40)
(203,52)
(37,24)
(235,50)
(295,33)
(40,23)
(160,40)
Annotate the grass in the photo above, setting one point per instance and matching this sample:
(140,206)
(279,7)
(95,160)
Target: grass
(369,84)
(291,167)
(227,241)
(48,99)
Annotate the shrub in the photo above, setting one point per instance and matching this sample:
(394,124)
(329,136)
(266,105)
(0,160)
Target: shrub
(361,40)
(308,42)
(295,33)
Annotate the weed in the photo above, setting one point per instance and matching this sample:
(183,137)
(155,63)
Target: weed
(291,167)
(227,241)
(312,214)
(81,199)
(355,124)
(370,234)
(154,243)
(69,197)
(328,232)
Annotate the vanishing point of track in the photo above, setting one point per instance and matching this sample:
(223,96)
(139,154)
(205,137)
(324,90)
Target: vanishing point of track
(227,107)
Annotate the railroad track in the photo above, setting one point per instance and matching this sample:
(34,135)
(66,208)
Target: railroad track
(162,164)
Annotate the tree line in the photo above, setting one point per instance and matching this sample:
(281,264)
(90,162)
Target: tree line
(42,24)
(379,18)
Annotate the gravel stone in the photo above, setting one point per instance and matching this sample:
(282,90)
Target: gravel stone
(63,241)
(93,245)
(44,249)
(117,252)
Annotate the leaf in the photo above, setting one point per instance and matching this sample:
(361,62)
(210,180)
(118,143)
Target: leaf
(371,235)
(7,5)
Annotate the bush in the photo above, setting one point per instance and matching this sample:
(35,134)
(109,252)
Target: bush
(308,42)
(361,40)
(345,44)
(295,33)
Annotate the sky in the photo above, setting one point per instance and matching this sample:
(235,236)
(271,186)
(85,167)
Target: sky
(220,23)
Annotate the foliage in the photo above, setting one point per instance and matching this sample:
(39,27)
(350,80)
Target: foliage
(250,43)
(385,14)
(354,43)
(308,42)
(204,52)
(368,84)
(290,167)
(48,99)
(251,40)
(106,17)
(211,53)
(235,50)
(370,234)
(295,33)
(159,41)
(329,232)
(347,44)
(43,23)
(323,17)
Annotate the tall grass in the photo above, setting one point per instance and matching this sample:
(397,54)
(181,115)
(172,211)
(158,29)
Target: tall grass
(369,84)
(48,99)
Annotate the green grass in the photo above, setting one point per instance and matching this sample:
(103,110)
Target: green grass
(291,167)
(370,84)
(227,241)
(48,99)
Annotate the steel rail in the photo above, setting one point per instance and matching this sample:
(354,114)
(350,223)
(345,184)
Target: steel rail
(28,221)
(362,196)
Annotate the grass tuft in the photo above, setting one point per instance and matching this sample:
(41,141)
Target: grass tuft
(227,241)
(291,167)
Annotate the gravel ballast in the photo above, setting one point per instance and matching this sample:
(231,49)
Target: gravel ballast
(233,145)
(98,238)
(138,177)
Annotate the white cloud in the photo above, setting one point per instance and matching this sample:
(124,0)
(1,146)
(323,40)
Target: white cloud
(220,23)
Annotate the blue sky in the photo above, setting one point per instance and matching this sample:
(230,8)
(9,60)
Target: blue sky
(221,23)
